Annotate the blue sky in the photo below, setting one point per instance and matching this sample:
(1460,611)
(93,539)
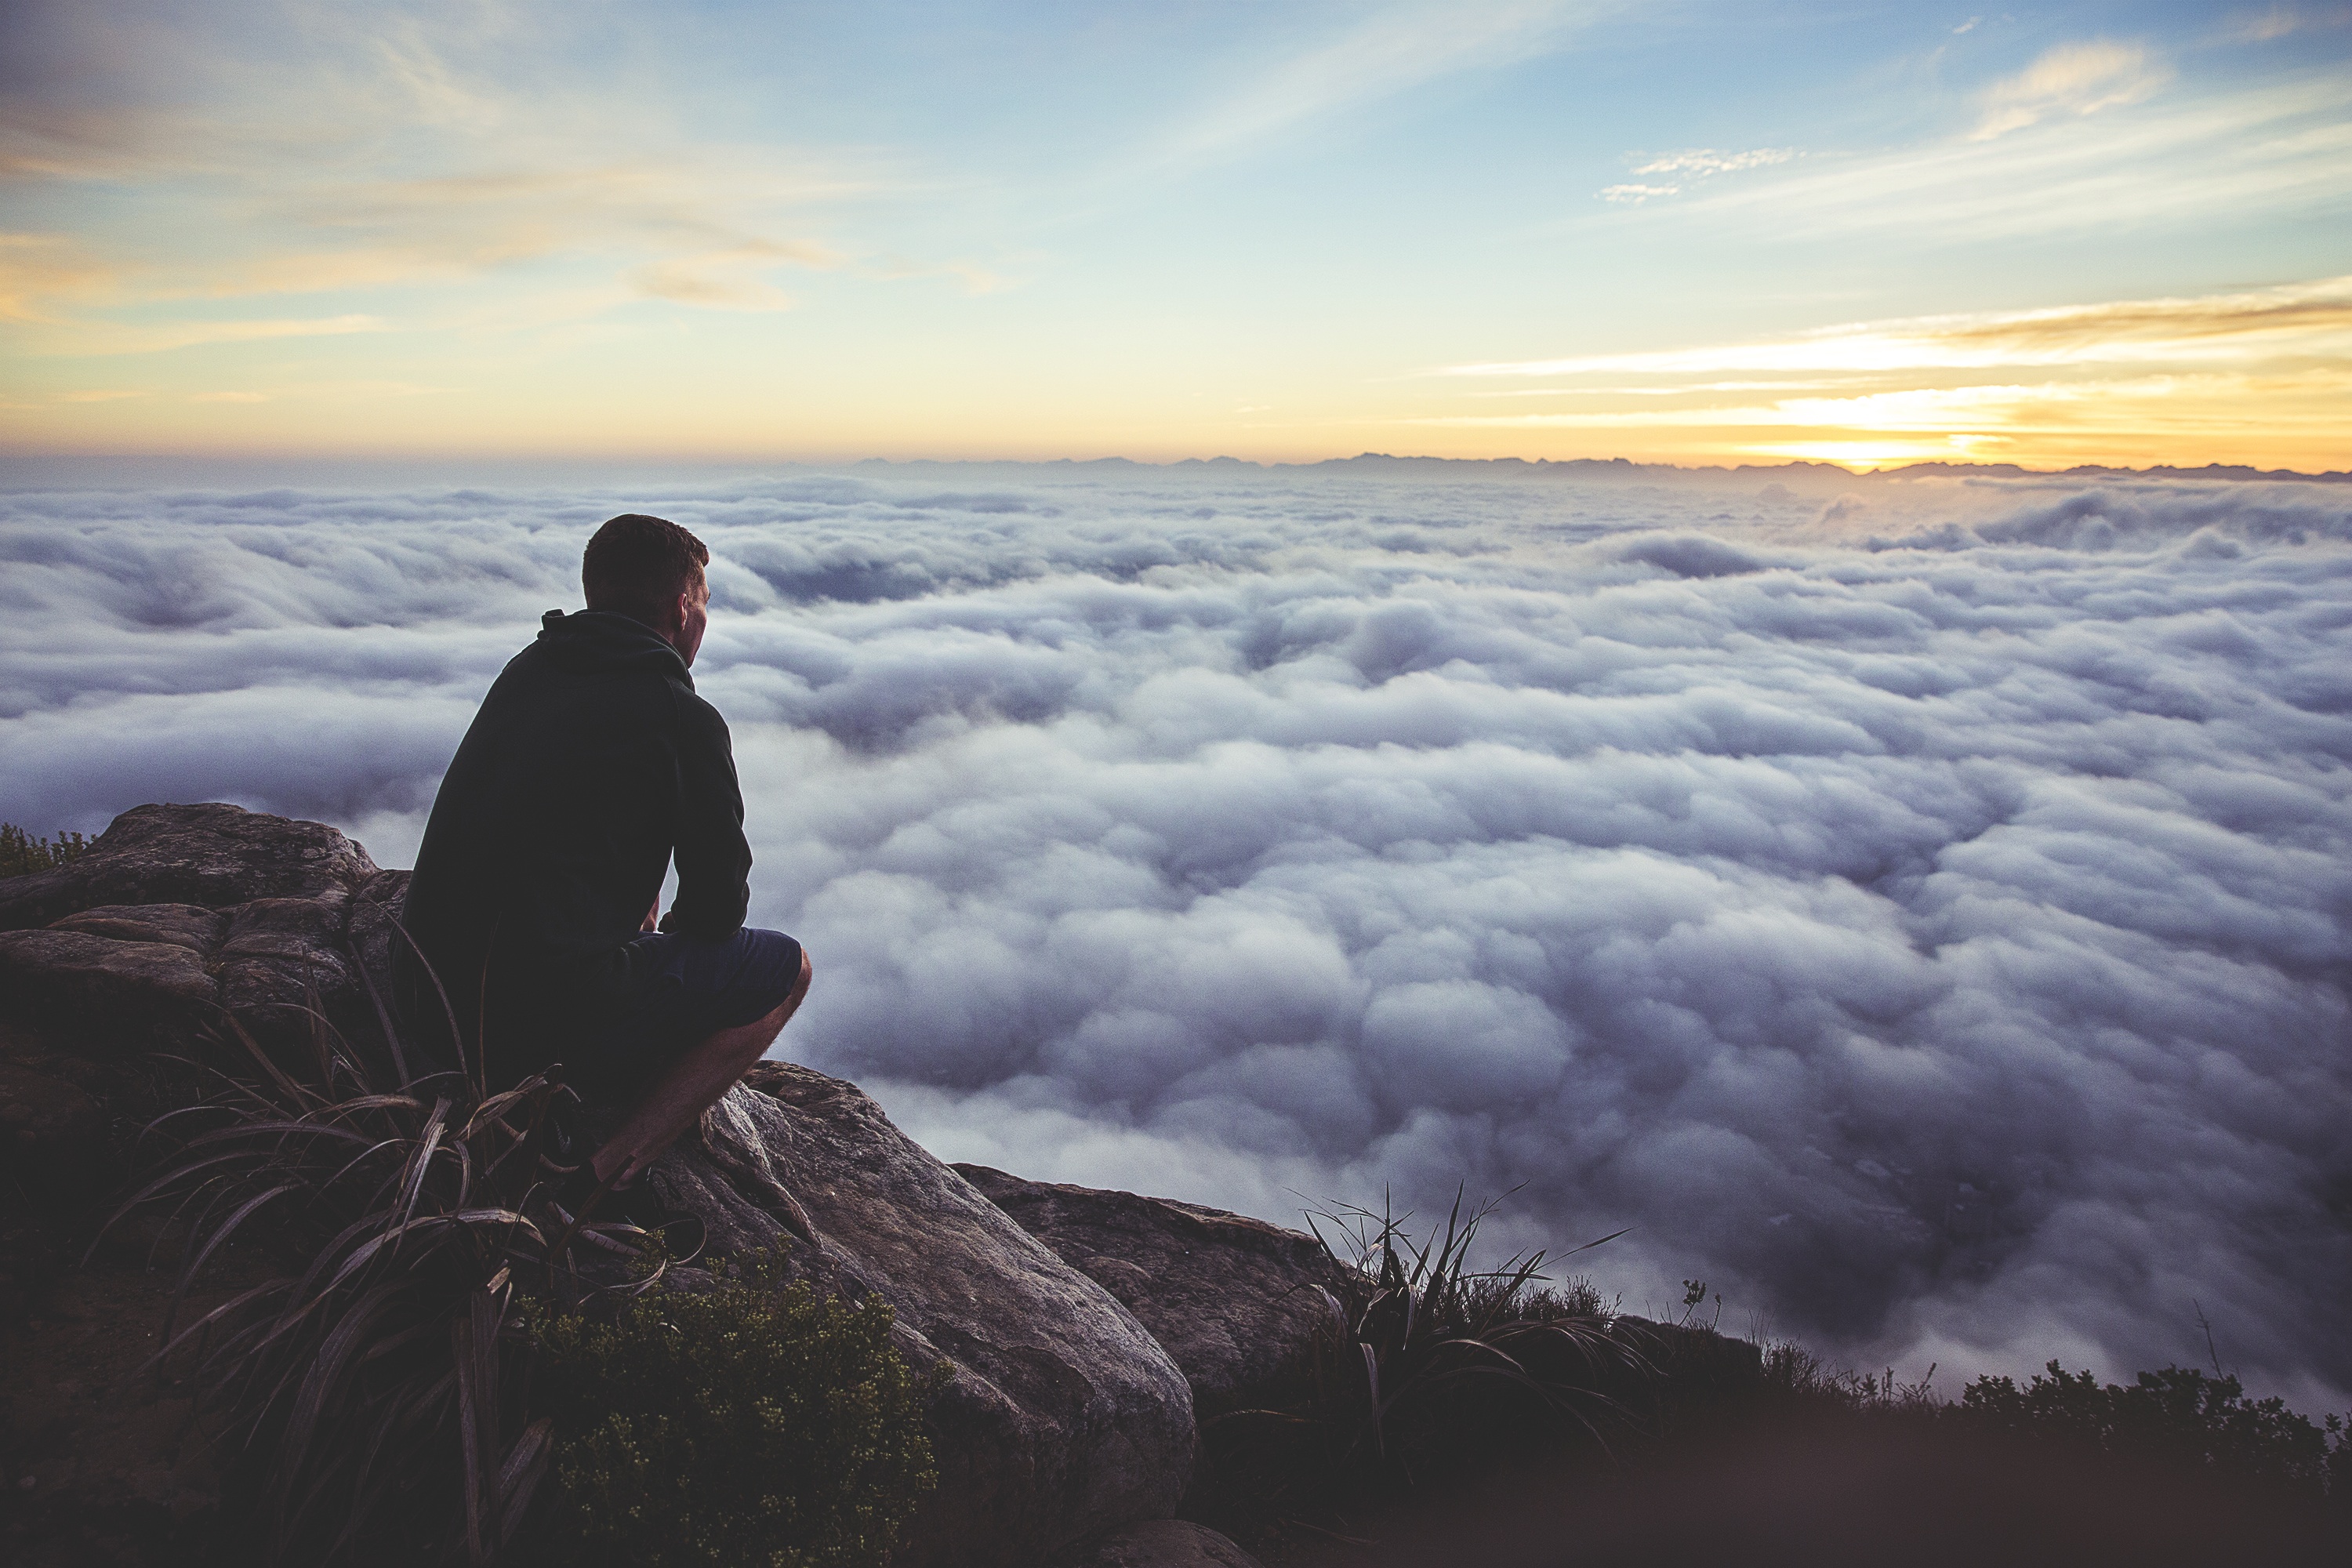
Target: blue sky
(1277,230)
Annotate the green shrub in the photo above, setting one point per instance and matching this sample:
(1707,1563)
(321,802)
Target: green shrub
(2179,1414)
(21,853)
(751,1425)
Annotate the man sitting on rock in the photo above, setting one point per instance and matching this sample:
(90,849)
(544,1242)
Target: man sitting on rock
(590,765)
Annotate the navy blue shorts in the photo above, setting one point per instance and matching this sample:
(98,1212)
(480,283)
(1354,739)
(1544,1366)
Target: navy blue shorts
(687,991)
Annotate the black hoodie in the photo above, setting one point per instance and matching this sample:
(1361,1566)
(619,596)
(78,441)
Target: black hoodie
(591,762)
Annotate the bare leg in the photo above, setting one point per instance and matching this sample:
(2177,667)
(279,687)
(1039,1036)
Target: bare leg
(691,1086)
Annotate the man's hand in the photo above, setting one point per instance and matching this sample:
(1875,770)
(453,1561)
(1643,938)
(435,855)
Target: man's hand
(653,916)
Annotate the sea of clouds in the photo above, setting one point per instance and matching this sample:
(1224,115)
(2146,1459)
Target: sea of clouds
(1919,909)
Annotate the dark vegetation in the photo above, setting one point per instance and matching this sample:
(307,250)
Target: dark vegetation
(374,1368)
(21,853)
(1429,1367)
(2178,1417)
(753,1424)
(416,1343)
(1445,1382)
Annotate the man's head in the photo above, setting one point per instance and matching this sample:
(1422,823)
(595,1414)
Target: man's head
(650,569)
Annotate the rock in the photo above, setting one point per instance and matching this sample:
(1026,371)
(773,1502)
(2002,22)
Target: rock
(174,925)
(212,856)
(278,954)
(115,995)
(1065,1417)
(1158,1543)
(177,911)
(1236,1300)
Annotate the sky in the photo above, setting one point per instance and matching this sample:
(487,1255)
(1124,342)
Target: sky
(1919,906)
(1692,232)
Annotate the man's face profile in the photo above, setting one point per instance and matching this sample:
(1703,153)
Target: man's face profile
(693,620)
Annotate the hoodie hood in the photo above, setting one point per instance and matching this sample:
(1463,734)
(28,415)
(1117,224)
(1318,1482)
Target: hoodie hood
(594,641)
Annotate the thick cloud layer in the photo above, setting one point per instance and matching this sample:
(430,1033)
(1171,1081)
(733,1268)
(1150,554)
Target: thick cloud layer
(1921,910)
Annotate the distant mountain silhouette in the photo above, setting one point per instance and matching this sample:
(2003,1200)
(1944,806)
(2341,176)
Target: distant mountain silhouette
(1624,469)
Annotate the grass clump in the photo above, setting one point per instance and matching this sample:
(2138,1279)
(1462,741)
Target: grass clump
(1430,1368)
(1438,1359)
(21,853)
(366,1387)
(366,1392)
(746,1425)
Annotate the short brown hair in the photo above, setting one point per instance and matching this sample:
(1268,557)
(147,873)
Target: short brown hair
(637,565)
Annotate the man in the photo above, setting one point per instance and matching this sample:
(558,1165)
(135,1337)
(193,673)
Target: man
(590,765)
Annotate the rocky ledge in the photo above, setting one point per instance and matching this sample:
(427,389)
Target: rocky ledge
(1086,1328)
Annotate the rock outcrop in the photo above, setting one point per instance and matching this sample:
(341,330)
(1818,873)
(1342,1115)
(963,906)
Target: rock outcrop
(179,911)
(213,856)
(1064,1418)
(1236,1300)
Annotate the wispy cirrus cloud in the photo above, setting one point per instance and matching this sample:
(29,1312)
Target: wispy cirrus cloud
(2214,154)
(121,339)
(1703,161)
(395,150)
(1698,164)
(1395,49)
(2284,21)
(1635,194)
(2071,79)
(2305,316)
(2266,366)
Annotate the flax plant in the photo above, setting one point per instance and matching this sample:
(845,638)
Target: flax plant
(1429,1332)
(367,1394)
(1426,1365)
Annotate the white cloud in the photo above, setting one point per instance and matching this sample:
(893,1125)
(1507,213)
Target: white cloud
(1872,890)
(2198,158)
(2284,21)
(1699,164)
(1636,195)
(1705,161)
(2071,79)
(2312,318)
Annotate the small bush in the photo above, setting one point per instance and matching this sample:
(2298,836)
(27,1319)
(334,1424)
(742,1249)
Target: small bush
(22,854)
(2179,1414)
(747,1424)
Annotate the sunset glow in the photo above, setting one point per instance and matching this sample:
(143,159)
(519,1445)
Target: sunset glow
(2111,234)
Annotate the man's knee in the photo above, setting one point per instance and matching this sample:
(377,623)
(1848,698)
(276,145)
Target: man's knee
(776,1017)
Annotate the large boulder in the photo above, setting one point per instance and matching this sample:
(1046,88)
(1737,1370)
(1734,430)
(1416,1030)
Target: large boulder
(1062,1417)
(1237,1301)
(213,856)
(178,912)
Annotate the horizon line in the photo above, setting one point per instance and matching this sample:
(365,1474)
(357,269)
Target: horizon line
(1625,466)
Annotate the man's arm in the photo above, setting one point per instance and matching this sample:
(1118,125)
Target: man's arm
(714,861)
